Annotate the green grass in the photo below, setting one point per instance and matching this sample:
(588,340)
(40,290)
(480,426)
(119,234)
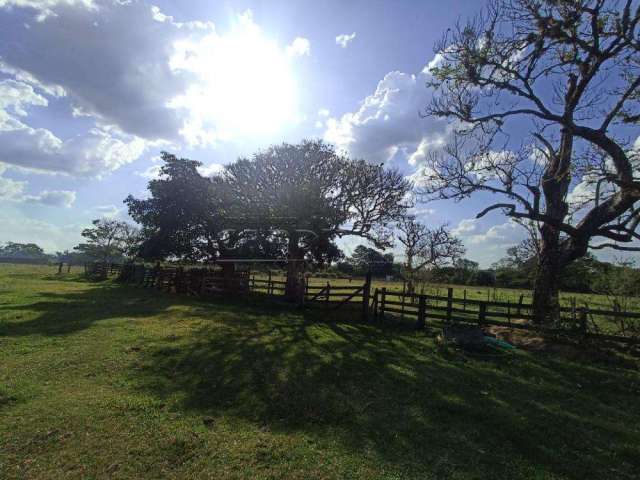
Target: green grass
(99,380)
(474,292)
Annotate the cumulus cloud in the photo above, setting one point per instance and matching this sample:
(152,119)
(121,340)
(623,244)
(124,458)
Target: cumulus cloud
(210,170)
(118,72)
(465,227)
(150,173)
(45,8)
(299,47)
(488,244)
(388,123)
(139,77)
(14,191)
(53,198)
(345,39)
(93,154)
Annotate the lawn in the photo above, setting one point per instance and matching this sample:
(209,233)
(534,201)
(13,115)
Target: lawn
(98,380)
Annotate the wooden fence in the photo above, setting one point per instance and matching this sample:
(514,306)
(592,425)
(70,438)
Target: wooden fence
(425,311)
(435,311)
(210,282)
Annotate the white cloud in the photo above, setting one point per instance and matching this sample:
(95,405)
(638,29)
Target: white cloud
(14,191)
(299,47)
(465,227)
(114,67)
(210,170)
(11,189)
(345,39)
(45,8)
(53,198)
(140,77)
(388,122)
(97,152)
(150,173)
(18,228)
(324,112)
(422,211)
(499,236)
(108,211)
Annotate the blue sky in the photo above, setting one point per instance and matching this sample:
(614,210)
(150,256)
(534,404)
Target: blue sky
(92,90)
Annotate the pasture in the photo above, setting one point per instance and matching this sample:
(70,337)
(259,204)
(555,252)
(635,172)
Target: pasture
(100,380)
(474,292)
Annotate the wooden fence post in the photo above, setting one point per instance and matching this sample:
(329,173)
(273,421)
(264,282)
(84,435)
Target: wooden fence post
(326,299)
(482,314)
(583,321)
(375,305)
(421,312)
(383,300)
(520,300)
(449,303)
(269,285)
(464,301)
(366,293)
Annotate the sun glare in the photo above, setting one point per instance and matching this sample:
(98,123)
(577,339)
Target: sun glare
(244,84)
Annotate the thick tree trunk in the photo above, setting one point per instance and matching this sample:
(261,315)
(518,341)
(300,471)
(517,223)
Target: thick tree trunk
(294,288)
(555,184)
(546,289)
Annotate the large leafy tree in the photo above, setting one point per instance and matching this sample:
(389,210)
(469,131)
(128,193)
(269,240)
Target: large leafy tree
(313,195)
(366,259)
(567,73)
(182,217)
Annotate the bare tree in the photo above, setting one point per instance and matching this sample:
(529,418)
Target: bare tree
(567,73)
(425,247)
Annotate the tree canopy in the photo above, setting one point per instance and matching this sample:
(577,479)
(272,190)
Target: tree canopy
(286,202)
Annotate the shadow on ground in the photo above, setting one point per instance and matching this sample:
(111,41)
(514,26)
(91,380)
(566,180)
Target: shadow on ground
(390,392)
(387,393)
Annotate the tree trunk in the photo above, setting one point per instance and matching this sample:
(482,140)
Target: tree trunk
(555,184)
(546,298)
(294,288)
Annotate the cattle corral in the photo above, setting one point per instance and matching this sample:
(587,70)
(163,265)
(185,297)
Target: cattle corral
(584,318)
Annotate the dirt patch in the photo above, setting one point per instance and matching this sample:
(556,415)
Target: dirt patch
(533,341)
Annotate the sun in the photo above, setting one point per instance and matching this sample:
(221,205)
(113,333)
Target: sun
(241,84)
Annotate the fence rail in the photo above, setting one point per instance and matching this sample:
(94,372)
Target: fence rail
(436,310)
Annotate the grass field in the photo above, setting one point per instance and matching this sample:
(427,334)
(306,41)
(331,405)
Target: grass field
(474,292)
(99,380)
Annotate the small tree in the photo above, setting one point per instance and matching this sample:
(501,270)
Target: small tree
(106,240)
(425,247)
(569,71)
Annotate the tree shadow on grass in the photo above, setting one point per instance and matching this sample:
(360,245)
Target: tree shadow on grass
(384,392)
(389,392)
(67,312)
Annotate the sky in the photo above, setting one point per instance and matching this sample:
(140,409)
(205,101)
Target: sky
(91,91)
